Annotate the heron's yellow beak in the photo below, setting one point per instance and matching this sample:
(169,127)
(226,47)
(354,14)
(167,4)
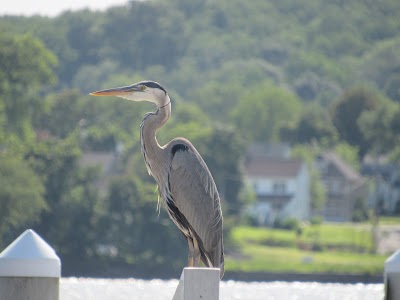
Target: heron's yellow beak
(119,91)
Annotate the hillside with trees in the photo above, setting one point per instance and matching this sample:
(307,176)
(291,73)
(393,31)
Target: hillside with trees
(320,74)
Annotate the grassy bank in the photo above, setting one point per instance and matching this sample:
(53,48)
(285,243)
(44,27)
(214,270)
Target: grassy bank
(386,220)
(323,248)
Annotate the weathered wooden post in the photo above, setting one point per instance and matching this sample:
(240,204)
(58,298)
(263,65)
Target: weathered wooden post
(29,269)
(392,277)
(198,283)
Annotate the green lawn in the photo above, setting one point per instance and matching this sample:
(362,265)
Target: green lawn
(256,252)
(389,220)
(340,235)
(325,235)
(275,259)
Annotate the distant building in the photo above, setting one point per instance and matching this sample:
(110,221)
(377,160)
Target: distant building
(281,185)
(344,186)
(385,198)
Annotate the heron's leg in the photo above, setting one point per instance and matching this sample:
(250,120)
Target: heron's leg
(196,253)
(191,252)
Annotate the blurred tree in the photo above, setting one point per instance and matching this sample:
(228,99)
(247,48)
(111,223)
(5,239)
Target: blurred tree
(21,195)
(392,87)
(224,86)
(263,110)
(62,113)
(71,197)
(314,126)
(381,65)
(320,65)
(146,33)
(74,220)
(348,153)
(25,66)
(90,78)
(347,111)
(311,87)
(142,236)
(378,126)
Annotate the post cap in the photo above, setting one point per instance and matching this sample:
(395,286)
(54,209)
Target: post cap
(29,256)
(392,264)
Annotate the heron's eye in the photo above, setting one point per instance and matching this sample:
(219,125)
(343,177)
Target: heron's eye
(142,87)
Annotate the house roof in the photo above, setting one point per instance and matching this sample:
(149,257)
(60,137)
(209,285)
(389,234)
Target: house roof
(272,167)
(347,171)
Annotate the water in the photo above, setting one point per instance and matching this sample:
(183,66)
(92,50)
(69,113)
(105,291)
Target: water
(135,289)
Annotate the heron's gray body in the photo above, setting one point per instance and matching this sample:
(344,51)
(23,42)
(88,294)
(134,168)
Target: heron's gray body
(187,189)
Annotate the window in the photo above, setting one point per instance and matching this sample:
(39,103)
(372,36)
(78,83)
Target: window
(279,188)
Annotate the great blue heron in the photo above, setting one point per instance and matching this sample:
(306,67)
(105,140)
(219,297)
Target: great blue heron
(185,184)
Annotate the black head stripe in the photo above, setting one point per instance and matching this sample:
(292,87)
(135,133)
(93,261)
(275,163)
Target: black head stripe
(154,85)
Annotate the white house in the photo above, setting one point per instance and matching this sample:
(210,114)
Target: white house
(282,188)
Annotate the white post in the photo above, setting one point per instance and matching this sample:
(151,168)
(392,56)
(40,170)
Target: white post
(198,283)
(392,277)
(29,269)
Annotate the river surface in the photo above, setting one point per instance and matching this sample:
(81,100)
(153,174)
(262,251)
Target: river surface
(135,289)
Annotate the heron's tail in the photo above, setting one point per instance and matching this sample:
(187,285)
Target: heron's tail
(215,258)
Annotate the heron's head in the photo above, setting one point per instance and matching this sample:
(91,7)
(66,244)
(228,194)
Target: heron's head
(149,91)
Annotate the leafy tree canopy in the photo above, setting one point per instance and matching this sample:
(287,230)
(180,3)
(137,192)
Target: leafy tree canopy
(263,110)
(21,195)
(347,111)
(26,65)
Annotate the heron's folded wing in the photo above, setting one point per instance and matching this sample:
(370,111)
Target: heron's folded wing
(195,195)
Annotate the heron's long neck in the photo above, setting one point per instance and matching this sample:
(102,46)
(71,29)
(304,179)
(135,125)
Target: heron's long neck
(151,123)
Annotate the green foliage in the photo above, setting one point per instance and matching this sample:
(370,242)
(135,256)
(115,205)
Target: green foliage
(132,224)
(287,224)
(69,194)
(62,114)
(21,195)
(316,220)
(381,64)
(379,126)
(263,110)
(348,110)
(313,126)
(317,64)
(349,154)
(25,65)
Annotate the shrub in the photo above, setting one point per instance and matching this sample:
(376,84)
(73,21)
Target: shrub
(288,224)
(316,220)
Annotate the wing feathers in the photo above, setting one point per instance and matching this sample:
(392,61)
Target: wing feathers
(196,196)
